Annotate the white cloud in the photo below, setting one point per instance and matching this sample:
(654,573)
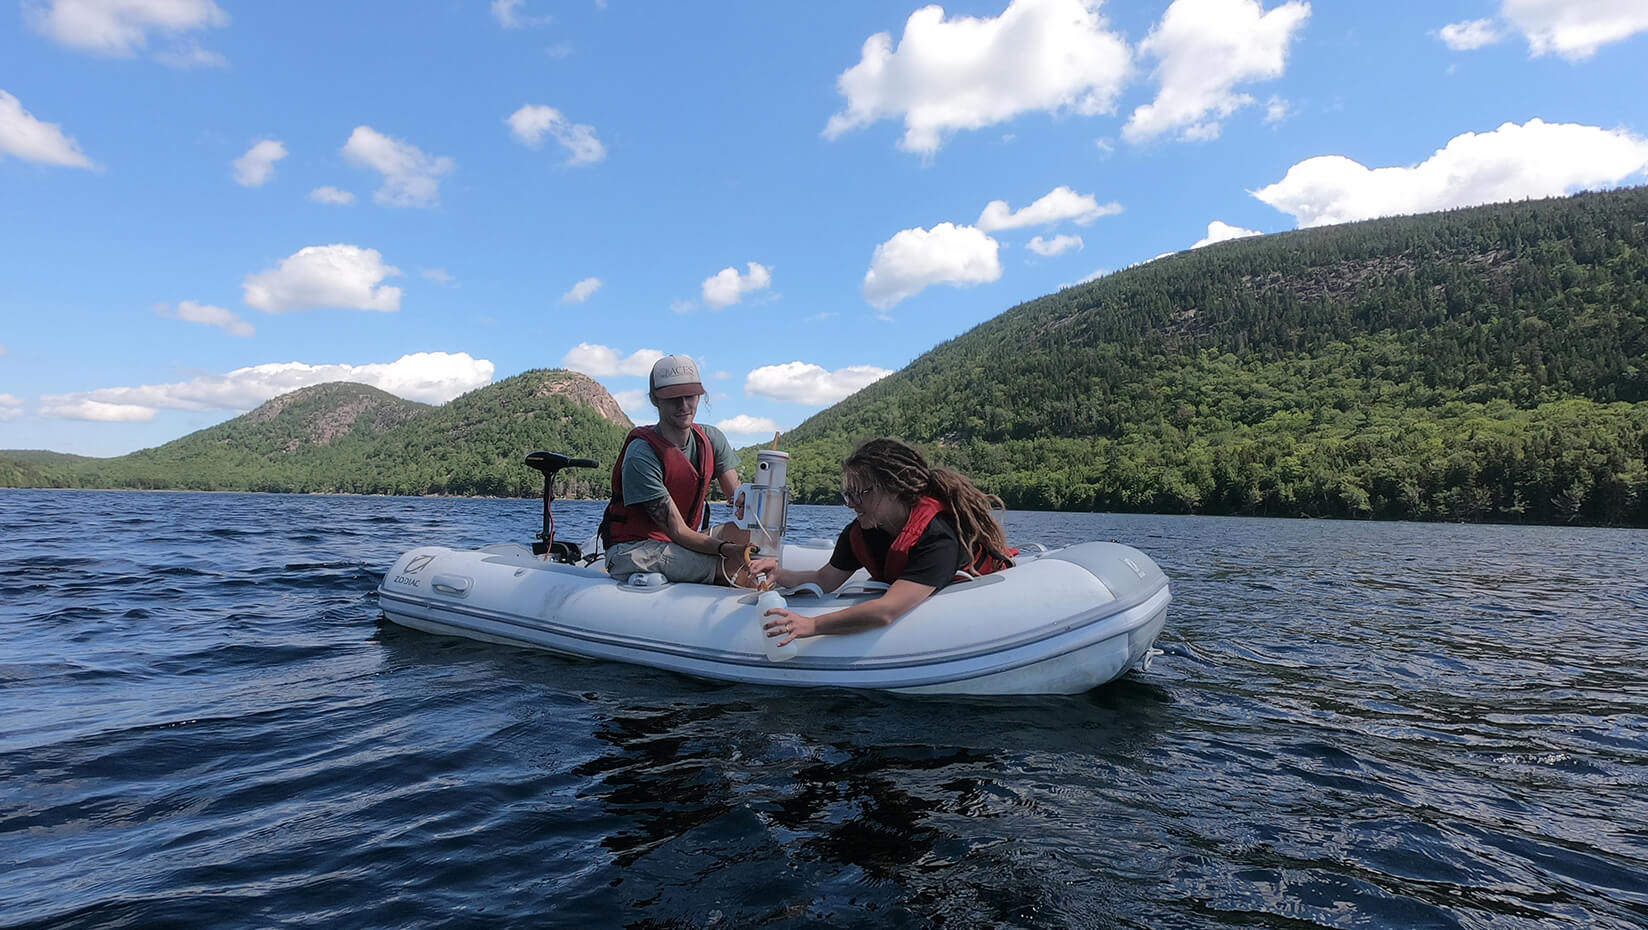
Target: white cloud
(1219,231)
(206,314)
(410,178)
(315,276)
(532,122)
(806,383)
(1204,48)
(1276,109)
(101,411)
(581,291)
(23,136)
(439,275)
(508,15)
(330,194)
(1513,162)
(745,425)
(258,164)
(727,287)
(636,405)
(429,377)
(122,27)
(599,361)
(1061,203)
(1047,248)
(1575,29)
(1472,34)
(908,263)
(10,406)
(187,55)
(968,73)
(4,351)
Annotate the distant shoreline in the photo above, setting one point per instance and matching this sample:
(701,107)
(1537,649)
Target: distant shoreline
(1118,513)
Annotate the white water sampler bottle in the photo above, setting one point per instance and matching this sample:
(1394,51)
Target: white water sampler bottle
(762,504)
(764,602)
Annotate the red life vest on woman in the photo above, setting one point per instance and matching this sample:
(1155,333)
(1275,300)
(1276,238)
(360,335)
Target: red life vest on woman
(898,556)
(689,488)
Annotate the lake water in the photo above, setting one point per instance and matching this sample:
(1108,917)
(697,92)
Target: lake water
(205,723)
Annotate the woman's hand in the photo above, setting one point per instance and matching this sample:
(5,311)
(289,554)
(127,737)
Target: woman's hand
(893,603)
(788,624)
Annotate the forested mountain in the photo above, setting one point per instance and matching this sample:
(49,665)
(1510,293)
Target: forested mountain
(1479,364)
(350,438)
(36,469)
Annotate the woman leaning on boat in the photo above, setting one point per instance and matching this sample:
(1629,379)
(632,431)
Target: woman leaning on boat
(917,528)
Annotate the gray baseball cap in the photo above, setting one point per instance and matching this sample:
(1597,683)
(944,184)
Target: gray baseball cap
(675,376)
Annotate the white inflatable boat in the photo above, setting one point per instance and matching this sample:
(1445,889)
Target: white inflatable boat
(1059,622)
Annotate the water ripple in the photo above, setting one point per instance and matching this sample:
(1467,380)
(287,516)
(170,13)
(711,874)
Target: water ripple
(204,724)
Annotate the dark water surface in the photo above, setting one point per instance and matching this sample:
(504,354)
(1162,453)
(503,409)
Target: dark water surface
(204,723)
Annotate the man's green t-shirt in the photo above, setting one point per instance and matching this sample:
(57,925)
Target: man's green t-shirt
(643,473)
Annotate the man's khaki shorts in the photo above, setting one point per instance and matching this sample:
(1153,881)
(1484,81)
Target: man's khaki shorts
(675,562)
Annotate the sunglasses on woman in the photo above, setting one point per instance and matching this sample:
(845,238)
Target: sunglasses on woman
(853,497)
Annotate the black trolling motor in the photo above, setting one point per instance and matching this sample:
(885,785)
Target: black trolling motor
(549,463)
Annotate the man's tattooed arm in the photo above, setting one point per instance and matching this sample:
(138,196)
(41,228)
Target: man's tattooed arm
(659,510)
(664,516)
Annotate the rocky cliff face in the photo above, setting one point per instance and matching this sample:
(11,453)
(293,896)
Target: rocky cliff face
(319,414)
(583,389)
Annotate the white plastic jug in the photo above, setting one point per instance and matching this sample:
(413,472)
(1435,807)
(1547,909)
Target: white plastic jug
(764,602)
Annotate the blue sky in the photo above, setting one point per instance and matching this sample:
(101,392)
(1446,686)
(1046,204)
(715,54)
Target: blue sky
(206,203)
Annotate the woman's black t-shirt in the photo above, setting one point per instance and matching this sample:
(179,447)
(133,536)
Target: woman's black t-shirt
(934,559)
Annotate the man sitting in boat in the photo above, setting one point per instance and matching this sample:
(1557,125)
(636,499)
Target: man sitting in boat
(661,486)
(917,528)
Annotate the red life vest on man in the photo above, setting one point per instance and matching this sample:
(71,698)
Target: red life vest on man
(898,556)
(688,487)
